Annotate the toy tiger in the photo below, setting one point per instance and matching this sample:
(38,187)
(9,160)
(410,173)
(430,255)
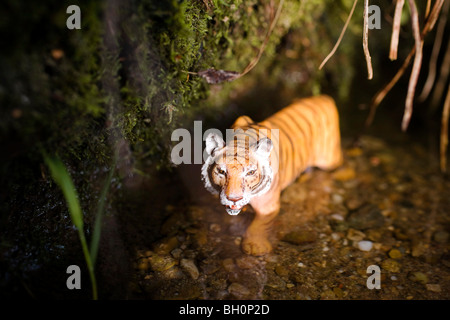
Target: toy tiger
(253,168)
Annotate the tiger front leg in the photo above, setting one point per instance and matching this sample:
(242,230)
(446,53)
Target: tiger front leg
(256,239)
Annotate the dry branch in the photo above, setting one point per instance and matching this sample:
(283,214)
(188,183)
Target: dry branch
(396,29)
(435,54)
(366,40)
(416,65)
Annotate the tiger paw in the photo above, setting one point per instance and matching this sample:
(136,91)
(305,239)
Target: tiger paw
(256,246)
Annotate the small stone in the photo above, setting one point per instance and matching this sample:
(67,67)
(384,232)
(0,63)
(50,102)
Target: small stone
(176,253)
(366,217)
(395,254)
(337,217)
(214,227)
(391,265)
(365,245)
(328,295)
(344,174)
(238,290)
(165,246)
(246,262)
(161,263)
(281,271)
(142,264)
(290,285)
(418,248)
(355,235)
(237,241)
(441,237)
(228,264)
(189,266)
(433,287)
(300,237)
(337,198)
(338,292)
(418,277)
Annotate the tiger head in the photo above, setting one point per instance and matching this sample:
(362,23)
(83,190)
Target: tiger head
(237,171)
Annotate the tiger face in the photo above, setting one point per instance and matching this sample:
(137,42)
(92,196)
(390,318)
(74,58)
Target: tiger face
(237,171)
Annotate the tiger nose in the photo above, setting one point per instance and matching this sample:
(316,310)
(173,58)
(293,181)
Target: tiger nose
(234,199)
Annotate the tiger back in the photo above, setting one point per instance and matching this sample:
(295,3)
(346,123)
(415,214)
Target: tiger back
(309,136)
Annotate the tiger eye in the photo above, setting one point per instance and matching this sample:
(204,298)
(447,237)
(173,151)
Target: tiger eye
(251,172)
(220,171)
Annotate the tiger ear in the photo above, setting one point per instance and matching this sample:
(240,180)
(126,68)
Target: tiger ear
(263,147)
(213,143)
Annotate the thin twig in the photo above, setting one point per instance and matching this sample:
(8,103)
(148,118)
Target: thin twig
(444,132)
(396,29)
(366,40)
(340,36)
(435,54)
(416,65)
(427,10)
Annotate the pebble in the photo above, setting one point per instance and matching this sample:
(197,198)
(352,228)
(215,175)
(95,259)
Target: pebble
(418,277)
(337,198)
(189,266)
(433,287)
(228,264)
(161,263)
(300,237)
(238,290)
(441,237)
(365,245)
(395,254)
(166,245)
(366,217)
(355,235)
(344,174)
(390,265)
(214,227)
(246,262)
(176,253)
(281,271)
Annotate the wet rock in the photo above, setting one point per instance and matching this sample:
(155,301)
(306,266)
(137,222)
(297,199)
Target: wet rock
(418,277)
(190,267)
(166,245)
(433,287)
(390,265)
(355,235)
(214,227)
(228,264)
(367,217)
(246,262)
(365,245)
(353,202)
(281,271)
(441,237)
(344,174)
(142,264)
(176,253)
(161,263)
(238,290)
(300,237)
(328,295)
(395,254)
(173,273)
(418,248)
